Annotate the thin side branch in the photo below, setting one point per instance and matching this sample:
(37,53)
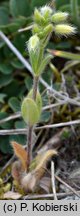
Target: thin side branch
(11,117)
(24,130)
(13,131)
(62,124)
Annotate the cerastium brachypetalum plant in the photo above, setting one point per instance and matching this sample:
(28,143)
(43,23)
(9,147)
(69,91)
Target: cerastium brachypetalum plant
(45,21)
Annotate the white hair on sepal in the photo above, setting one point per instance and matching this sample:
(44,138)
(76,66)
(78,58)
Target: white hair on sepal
(45,9)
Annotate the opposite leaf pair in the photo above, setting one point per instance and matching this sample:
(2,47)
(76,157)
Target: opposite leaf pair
(31,109)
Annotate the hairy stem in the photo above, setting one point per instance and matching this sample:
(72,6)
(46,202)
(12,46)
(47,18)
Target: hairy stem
(30,129)
(35,87)
(29,145)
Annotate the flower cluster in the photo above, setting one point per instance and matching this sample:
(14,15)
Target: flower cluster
(46,21)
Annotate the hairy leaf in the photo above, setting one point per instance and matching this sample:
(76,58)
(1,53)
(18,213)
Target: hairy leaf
(21,153)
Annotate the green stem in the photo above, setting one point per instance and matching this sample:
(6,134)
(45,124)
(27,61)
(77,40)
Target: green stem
(29,146)
(35,87)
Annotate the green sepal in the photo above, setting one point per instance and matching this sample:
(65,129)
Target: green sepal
(43,33)
(36,29)
(38,18)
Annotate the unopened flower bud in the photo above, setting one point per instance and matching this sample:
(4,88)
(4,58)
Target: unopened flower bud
(64,29)
(46,11)
(38,18)
(59,17)
(47,30)
(34,50)
(36,29)
(33,43)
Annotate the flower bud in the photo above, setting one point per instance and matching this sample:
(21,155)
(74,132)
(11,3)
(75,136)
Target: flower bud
(47,30)
(64,29)
(34,50)
(36,29)
(59,17)
(33,43)
(38,18)
(46,11)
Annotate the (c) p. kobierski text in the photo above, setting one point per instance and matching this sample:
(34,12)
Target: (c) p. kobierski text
(54,207)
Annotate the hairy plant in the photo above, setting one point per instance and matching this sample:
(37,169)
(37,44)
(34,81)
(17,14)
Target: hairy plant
(28,171)
(45,21)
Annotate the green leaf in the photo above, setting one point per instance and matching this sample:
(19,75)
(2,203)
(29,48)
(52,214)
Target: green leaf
(44,63)
(5,125)
(8,55)
(1,44)
(47,76)
(18,138)
(19,8)
(4,16)
(34,59)
(6,68)
(65,8)
(19,42)
(65,135)
(13,89)
(69,65)
(2,96)
(20,124)
(5,80)
(14,104)
(30,111)
(64,54)
(12,27)
(38,99)
(3,115)
(36,3)
(17,64)
(5,146)
(28,82)
(57,86)
(59,3)
(45,116)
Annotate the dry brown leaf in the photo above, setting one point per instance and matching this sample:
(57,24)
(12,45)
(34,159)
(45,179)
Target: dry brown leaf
(21,153)
(17,170)
(11,195)
(43,158)
(28,182)
(32,179)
